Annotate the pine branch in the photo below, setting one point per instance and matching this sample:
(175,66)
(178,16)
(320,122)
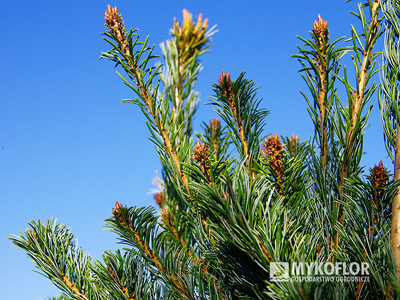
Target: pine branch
(126,276)
(237,105)
(127,223)
(359,97)
(131,63)
(57,256)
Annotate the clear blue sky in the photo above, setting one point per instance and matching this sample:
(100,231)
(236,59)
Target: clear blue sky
(70,149)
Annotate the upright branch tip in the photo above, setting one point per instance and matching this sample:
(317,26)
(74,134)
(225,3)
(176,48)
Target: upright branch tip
(200,152)
(201,155)
(294,140)
(321,31)
(215,125)
(189,33)
(118,213)
(379,175)
(115,23)
(274,151)
(225,83)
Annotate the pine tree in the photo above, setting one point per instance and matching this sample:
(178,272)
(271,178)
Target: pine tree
(232,202)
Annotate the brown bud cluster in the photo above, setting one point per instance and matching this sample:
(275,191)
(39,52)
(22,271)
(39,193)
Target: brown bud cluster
(201,154)
(274,151)
(320,29)
(215,125)
(294,140)
(190,34)
(215,135)
(379,176)
(115,23)
(225,83)
(118,213)
(160,198)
